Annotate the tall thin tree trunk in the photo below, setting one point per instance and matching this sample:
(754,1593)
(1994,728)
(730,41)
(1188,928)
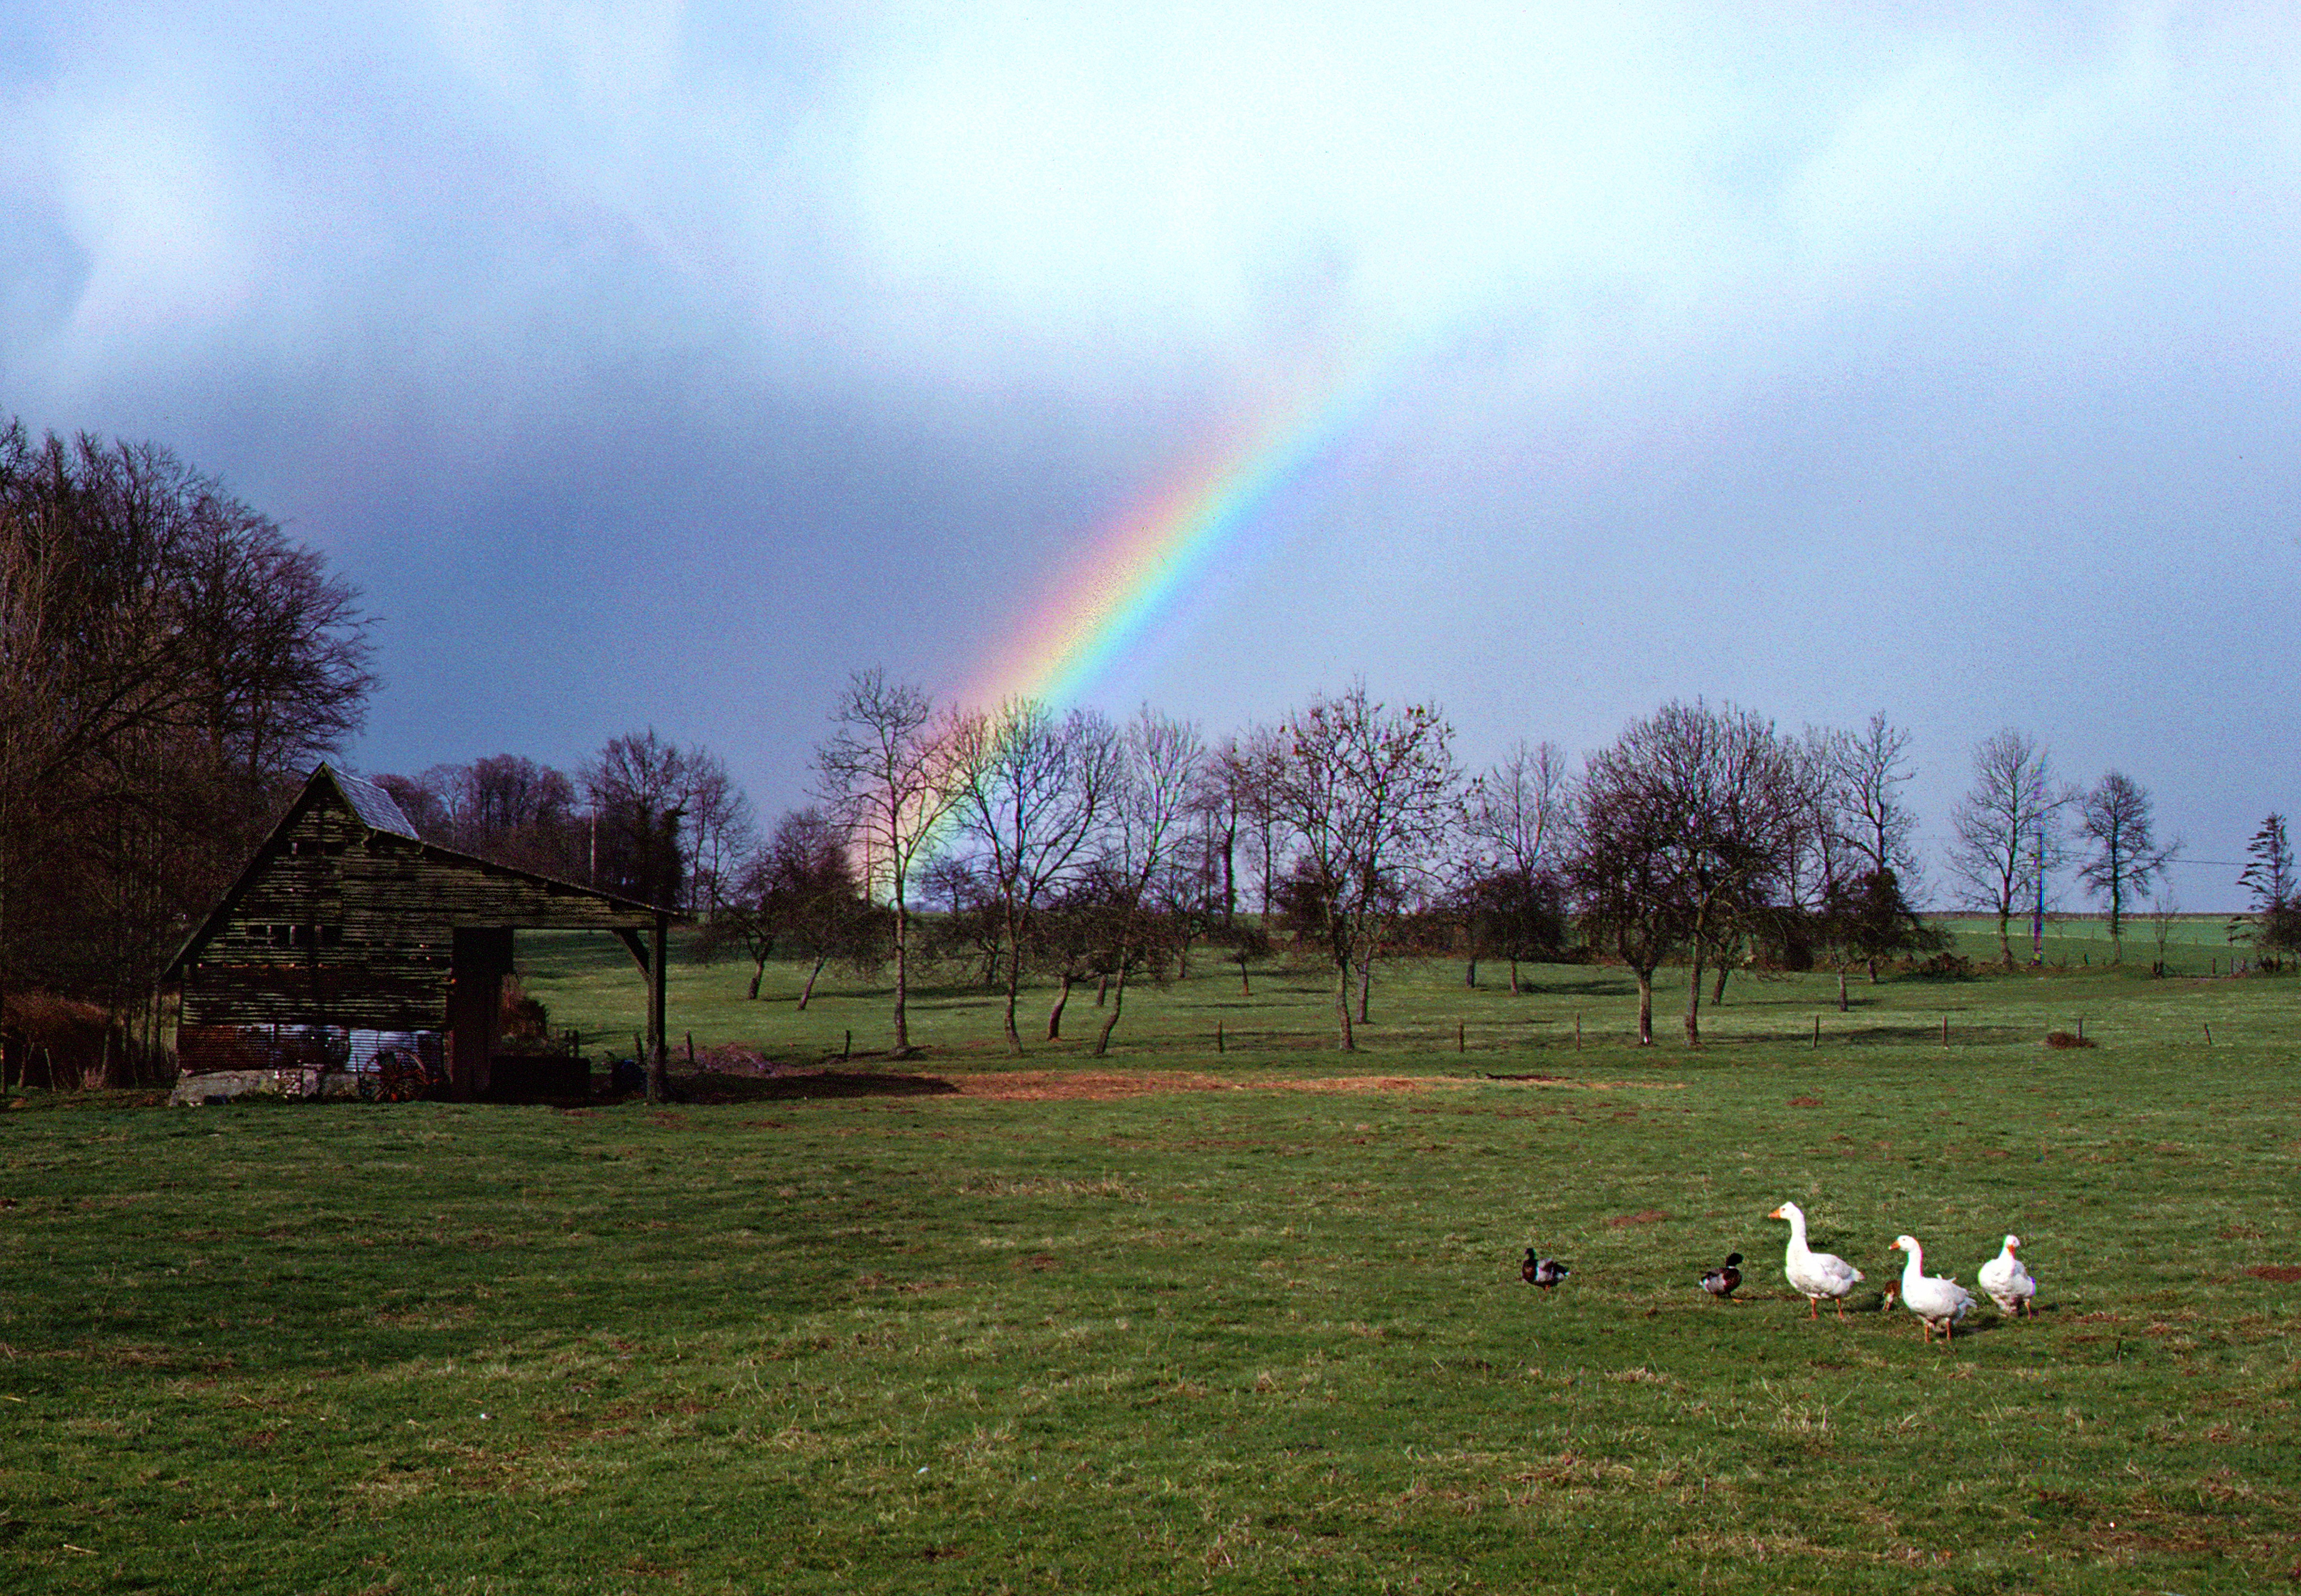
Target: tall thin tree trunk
(1110,1021)
(1693,1005)
(1718,986)
(1842,1005)
(1014,983)
(808,991)
(758,973)
(1366,983)
(902,975)
(2005,935)
(1055,1015)
(1102,989)
(1514,992)
(1342,1002)
(1245,982)
(1470,974)
(1645,1008)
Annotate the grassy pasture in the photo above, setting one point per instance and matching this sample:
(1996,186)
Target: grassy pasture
(1180,1321)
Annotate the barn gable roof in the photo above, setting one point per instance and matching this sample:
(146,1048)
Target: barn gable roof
(377,809)
(489,892)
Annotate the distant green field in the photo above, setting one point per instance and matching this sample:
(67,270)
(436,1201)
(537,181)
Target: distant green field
(2195,944)
(588,981)
(1186,1321)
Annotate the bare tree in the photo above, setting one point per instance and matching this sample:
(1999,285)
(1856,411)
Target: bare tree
(1373,796)
(2164,910)
(1251,767)
(1617,873)
(799,894)
(1224,802)
(1516,811)
(1873,767)
(888,777)
(1036,793)
(506,807)
(1687,827)
(2114,817)
(720,832)
(1825,854)
(1508,895)
(2009,838)
(1142,878)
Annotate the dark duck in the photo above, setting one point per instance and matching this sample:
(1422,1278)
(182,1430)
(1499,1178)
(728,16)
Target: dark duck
(1542,1271)
(1722,1281)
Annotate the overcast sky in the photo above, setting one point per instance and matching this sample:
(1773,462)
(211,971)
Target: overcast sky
(653,363)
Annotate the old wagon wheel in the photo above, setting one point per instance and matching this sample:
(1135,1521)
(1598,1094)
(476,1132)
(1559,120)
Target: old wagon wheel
(400,1076)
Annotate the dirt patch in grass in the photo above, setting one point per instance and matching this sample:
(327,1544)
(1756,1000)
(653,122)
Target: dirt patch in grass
(1079,1086)
(807,1083)
(2284,1275)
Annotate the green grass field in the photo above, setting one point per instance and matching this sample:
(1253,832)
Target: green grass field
(1177,1320)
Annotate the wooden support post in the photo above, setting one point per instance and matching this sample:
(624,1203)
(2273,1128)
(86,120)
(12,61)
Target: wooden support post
(1460,1046)
(2209,1035)
(1817,1031)
(1577,1030)
(658,1059)
(1219,1036)
(1944,1031)
(846,1046)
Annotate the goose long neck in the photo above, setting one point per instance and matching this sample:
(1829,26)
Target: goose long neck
(1797,1231)
(1915,1268)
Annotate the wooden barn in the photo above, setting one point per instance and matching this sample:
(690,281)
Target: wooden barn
(346,922)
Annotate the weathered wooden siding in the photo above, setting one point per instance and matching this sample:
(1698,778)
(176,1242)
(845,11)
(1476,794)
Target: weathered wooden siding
(336,923)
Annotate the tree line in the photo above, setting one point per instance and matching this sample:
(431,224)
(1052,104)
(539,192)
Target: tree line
(644,818)
(169,663)
(1067,846)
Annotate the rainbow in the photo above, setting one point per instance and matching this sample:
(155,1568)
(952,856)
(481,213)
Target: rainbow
(1147,562)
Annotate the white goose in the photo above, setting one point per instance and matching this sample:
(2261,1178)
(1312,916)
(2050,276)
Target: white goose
(2007,1282)
(1939,1301)
(1817,1274)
